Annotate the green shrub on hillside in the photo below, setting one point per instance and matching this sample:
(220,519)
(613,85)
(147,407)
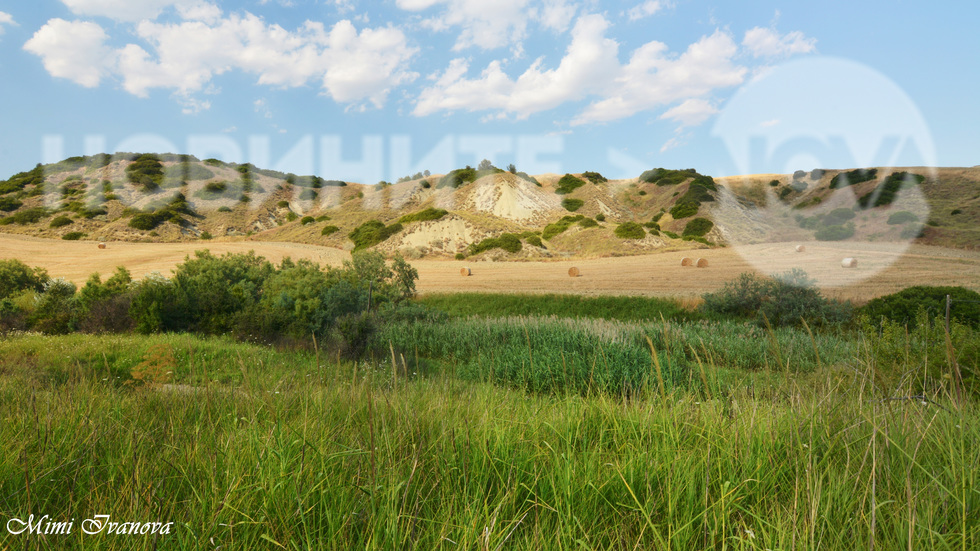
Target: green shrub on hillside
(594,177)
(307,220)
(560,226)
(28,216)
(506,241)
(371,233)
(886,192)
(329,230)
(600,217)
(17,182)
(59,221)
(630,230)
(588,223)
(853,177)
(568,184)
(834,233)
(571,204)
(145,171)
(697,227)
(458,177)
(8,204)
(837,217)
(902,217)
(73,236)
(426,215)
(667,177)
(684,210)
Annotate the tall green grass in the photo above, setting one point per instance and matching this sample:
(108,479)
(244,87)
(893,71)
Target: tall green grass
(623,308)
(294,451)
(548,354)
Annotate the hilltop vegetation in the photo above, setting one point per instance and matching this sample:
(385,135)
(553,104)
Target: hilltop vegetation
(172,197)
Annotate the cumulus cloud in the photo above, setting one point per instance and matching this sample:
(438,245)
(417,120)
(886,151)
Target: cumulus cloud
(6,19)
(504,23)
(654,77)
(691,112)
(75,50)
(122,10)
(646,9)
(763,42)
(185,56)
(589,61)
(556,15)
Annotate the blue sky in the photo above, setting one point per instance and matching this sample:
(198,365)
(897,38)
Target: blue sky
(366,91)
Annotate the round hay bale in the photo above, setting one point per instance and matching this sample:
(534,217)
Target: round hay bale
(465,272)
(687,261)
(702,263)
(800,249)
(101,245)
(573,272)
(849,262)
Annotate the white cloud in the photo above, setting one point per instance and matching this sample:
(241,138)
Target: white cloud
(769,123)
(504,23)
(184,57)
(120,10)
(139,10)
(646,9)
(556,15)
(589,62)
(670,144)
(653,77)
(74,50)
(762,42)
(6,19)
(691,112)
(366,66)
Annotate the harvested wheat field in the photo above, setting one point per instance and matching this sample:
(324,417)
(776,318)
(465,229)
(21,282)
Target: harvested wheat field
(653,275)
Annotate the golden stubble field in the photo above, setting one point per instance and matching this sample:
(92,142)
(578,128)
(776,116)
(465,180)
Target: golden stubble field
(879,271)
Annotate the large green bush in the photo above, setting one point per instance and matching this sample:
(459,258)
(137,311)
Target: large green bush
(59,221)
(834,233)
(684,210)
(458,177)
(887,191)
(902,217)
(667,177)
(15,276)
(903,307)
(145,171)
(594,177)
(507,241)
(568,184)
(784,300)
(8,204)
(551,230)
(630,230)
(571,204)
(426,215)
(853,177)
(697,227)
(371,233)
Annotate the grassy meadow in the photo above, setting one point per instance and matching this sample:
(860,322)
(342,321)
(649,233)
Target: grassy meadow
(493,433)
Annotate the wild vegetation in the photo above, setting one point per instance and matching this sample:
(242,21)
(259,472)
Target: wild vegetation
(478,421)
